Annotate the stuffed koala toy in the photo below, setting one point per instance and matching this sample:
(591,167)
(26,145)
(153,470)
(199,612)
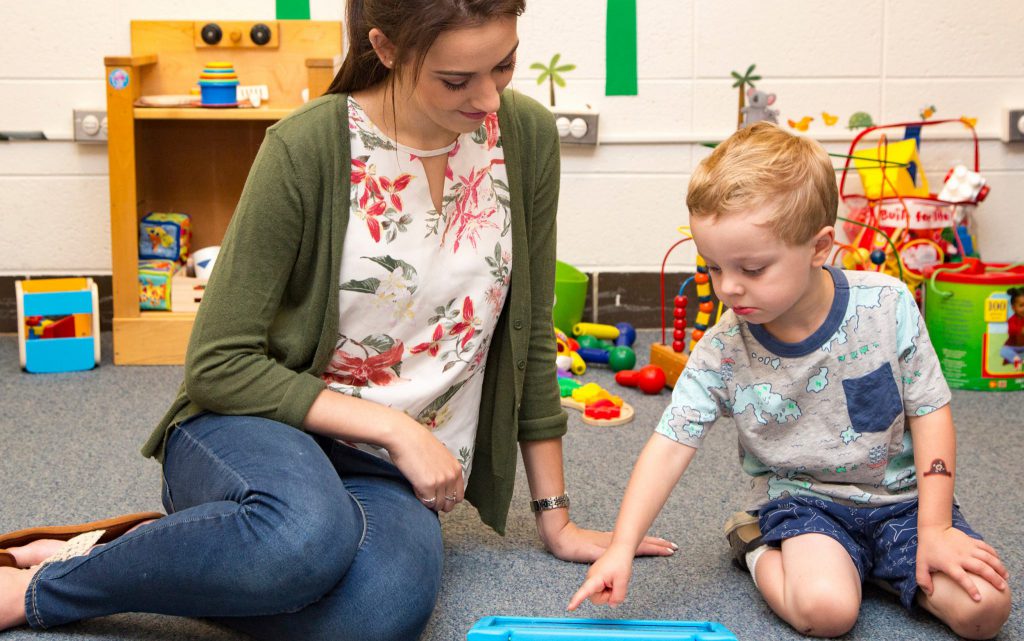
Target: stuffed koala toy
(757,107)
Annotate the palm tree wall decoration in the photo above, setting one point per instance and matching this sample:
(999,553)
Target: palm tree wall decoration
(742,82)
(552,72)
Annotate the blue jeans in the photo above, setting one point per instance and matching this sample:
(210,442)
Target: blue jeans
(270,532)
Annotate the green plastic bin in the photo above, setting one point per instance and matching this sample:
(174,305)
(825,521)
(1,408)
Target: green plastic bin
(967,315)
(570,296)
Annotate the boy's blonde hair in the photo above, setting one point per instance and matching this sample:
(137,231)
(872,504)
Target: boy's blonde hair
(762,165)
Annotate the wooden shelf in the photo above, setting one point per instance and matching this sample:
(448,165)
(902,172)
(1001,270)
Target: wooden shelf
(201,113)
(192,159)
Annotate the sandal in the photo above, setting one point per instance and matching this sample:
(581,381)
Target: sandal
(112,528)
(744,535)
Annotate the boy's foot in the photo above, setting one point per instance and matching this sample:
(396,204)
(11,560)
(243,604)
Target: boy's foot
(744,535)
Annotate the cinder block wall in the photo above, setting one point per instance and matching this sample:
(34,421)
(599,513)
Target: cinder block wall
(622,201)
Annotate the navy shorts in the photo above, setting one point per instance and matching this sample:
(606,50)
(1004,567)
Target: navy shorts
(882,541)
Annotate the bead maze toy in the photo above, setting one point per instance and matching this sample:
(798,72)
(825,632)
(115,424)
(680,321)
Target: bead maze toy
(544,629)
(895,224)
(58,324)
(672,358)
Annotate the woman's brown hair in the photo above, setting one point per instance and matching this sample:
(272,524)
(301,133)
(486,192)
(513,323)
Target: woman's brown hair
(412,26)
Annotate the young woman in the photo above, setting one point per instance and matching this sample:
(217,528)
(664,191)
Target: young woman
(374,342)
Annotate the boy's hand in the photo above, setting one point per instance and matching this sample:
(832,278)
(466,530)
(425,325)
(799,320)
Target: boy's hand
(607,579)
(950,551)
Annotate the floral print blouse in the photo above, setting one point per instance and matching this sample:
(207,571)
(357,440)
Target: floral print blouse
(421,289)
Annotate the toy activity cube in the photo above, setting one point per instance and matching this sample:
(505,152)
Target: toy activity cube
(165,236)
(155,284)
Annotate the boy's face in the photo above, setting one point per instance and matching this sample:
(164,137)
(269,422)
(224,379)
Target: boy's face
(760,277)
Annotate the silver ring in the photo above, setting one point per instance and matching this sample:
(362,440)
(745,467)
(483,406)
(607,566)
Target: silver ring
(449,498)
(431,500)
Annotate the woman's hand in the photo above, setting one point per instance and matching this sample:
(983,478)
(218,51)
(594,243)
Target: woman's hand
(568,542)
(430,468)
(958,556)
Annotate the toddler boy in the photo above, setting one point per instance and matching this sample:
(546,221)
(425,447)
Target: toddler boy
(841,410)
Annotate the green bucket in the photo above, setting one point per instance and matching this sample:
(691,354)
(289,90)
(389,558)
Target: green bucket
(968,313)
(570,296)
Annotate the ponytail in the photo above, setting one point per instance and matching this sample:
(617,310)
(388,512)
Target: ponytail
(361,68)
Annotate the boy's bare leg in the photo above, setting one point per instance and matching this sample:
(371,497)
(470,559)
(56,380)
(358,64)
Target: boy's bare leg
(968,618)
(812,584)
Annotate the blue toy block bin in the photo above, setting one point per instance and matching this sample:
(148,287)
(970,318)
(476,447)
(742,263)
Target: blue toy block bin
(58,325)
(539,629)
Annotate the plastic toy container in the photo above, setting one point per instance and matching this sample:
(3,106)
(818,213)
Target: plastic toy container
(570,296)
(534,629)
(58,324)
(978,336)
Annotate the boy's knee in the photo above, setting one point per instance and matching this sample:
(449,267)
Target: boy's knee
(820,612)
(980,619)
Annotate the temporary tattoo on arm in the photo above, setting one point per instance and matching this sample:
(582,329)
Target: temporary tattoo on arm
(938,467)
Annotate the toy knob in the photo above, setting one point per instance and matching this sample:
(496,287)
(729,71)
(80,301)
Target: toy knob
(621,357)
(627,334)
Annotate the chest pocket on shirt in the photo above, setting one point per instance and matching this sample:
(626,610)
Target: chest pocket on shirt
(873,400)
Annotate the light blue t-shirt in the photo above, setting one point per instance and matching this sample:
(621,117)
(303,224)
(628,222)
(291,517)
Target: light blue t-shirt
(824,417)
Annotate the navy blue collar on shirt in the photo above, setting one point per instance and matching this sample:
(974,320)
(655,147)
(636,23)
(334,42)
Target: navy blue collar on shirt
(835,317)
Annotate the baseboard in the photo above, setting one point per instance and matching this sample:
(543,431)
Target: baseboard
(635,298)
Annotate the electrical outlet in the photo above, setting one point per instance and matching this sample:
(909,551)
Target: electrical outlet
(90,125)
(1012,125)
(576,126)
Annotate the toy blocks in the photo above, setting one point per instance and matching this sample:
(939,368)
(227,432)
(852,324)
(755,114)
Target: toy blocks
(155,283)
(165,236)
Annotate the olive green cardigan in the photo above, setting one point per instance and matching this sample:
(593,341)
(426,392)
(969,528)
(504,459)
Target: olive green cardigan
(269,319)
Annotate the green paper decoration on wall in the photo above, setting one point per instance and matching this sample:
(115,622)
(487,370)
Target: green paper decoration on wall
(620,49)
(292,9)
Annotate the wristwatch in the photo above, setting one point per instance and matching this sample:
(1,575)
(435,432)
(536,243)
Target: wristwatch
(550,503)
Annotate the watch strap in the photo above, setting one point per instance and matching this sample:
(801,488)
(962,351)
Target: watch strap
(550,503)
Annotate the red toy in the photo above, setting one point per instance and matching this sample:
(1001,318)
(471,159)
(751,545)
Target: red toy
(649,378)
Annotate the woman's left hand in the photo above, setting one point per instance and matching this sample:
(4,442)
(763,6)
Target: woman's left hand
(568,542)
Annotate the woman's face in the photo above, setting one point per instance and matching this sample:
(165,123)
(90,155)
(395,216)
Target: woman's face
(463,75)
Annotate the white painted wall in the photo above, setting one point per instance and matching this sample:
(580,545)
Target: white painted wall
(622,201)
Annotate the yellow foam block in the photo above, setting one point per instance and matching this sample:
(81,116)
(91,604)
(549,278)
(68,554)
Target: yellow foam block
(591,392)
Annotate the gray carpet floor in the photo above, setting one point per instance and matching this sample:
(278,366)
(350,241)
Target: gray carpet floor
(69,452)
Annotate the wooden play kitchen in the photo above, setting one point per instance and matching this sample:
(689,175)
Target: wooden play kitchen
(194,158)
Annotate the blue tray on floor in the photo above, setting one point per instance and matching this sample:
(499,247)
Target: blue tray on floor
(537,629)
